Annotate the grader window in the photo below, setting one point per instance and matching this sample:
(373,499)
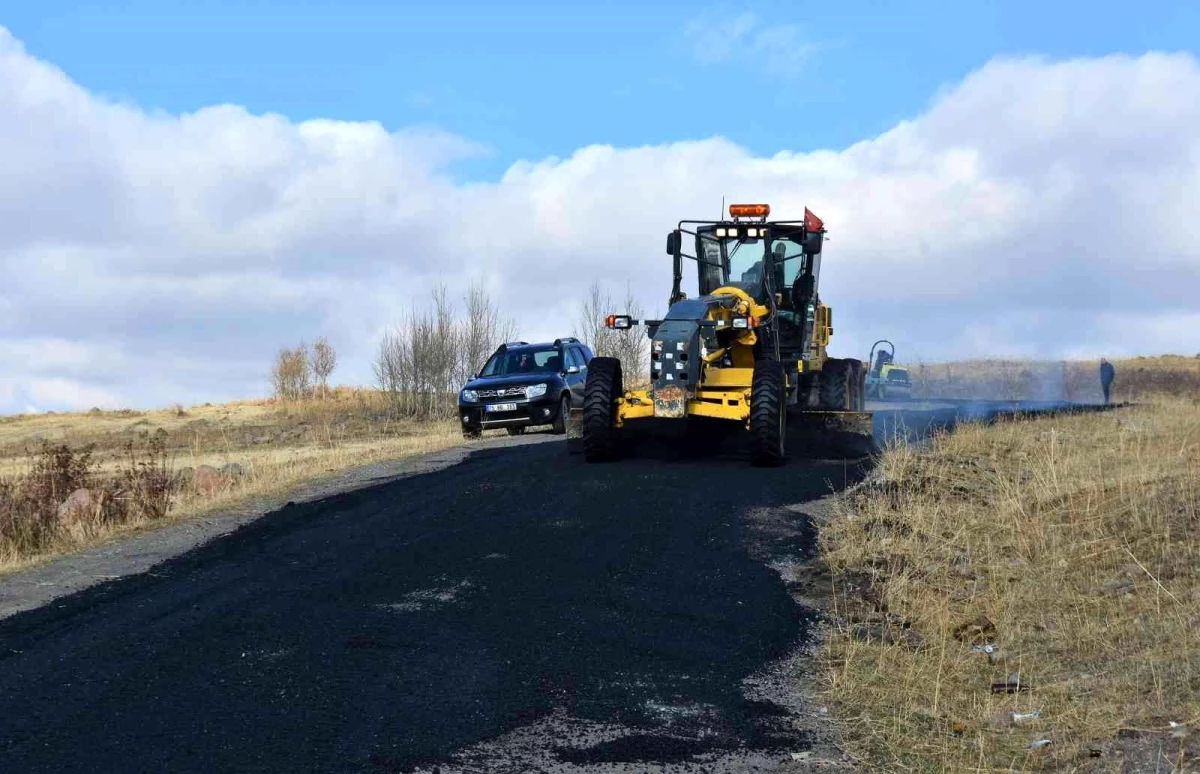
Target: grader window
(789,263)
(709,250)
(746,261)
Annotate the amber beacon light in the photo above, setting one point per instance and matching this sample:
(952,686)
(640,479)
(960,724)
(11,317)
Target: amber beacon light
(749,210)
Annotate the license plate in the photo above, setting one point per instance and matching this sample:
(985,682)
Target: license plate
(502,407)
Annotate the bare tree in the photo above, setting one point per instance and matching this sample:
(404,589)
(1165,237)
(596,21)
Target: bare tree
(393,372)
(589,326)
(422,362)
(631,345)
(324,360)
(508,332)
(279,377)
(480,332)
(302,368)
(291,374)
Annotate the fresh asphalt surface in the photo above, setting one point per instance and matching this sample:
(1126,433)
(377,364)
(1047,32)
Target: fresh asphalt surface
(393,627)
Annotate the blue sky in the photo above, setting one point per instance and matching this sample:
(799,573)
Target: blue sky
(535,80)
(235,236)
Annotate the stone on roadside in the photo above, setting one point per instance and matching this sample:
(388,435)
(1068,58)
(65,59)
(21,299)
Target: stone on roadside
(233,470)
(206,479)
(79,505)
(182,477)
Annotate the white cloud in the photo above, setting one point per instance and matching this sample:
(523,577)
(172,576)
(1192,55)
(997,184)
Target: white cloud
(778,48)
(1038,208)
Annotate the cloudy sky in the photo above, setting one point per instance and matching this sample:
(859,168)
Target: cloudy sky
(185,188)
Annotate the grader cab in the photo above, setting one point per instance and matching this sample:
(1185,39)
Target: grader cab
(750,347)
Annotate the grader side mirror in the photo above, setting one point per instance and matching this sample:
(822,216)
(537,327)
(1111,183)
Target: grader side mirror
(673,242)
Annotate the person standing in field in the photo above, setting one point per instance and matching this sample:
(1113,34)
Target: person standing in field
(1106,377)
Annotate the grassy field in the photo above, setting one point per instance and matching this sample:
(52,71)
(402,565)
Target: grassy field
(1077,381)
(271,447)
(1070,544)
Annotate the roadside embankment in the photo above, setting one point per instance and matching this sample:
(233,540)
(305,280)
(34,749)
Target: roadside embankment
(1023,595)
(76,480)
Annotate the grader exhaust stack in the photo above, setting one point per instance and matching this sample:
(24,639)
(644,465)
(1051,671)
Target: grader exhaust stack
(750,348)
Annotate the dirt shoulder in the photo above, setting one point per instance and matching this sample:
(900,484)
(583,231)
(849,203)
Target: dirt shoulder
(129,553)
(71,482)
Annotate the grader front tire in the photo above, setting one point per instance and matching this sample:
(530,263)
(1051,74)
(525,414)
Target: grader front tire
(601,437)
(768,414)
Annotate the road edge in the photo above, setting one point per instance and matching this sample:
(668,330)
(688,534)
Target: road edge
(137,552)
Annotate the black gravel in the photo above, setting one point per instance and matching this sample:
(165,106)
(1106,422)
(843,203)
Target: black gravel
(392,627)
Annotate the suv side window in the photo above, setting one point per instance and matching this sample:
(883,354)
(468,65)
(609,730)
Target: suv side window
(585,354)
(573,357)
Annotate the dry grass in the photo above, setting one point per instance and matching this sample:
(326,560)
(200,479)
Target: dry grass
(1072,543)
(1136,379)
(278,446)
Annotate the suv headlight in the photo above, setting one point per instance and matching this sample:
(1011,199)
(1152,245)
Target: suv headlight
(535,391)
(470,396)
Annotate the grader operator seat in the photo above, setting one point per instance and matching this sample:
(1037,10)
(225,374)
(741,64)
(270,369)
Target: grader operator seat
(882,359)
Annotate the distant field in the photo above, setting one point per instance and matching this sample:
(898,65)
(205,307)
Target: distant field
(276,446)
(1072,545)
(1136,378)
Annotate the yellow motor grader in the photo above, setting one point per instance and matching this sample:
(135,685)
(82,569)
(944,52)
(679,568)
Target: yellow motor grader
(749,348)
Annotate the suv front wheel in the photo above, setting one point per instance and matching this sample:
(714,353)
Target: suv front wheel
(560,422)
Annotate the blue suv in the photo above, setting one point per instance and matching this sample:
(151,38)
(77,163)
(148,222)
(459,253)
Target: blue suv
(525,384)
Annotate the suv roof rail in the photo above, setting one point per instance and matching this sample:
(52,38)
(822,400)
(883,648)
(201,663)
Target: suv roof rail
(566,340)
(503,347)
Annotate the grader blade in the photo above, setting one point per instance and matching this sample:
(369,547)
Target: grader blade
(837,434)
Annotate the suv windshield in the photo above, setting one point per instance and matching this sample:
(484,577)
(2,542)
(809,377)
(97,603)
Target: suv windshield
(523,361)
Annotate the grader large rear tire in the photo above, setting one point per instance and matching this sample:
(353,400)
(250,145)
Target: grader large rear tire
(858,385)
(601,437)
(768,414)
(835,385)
